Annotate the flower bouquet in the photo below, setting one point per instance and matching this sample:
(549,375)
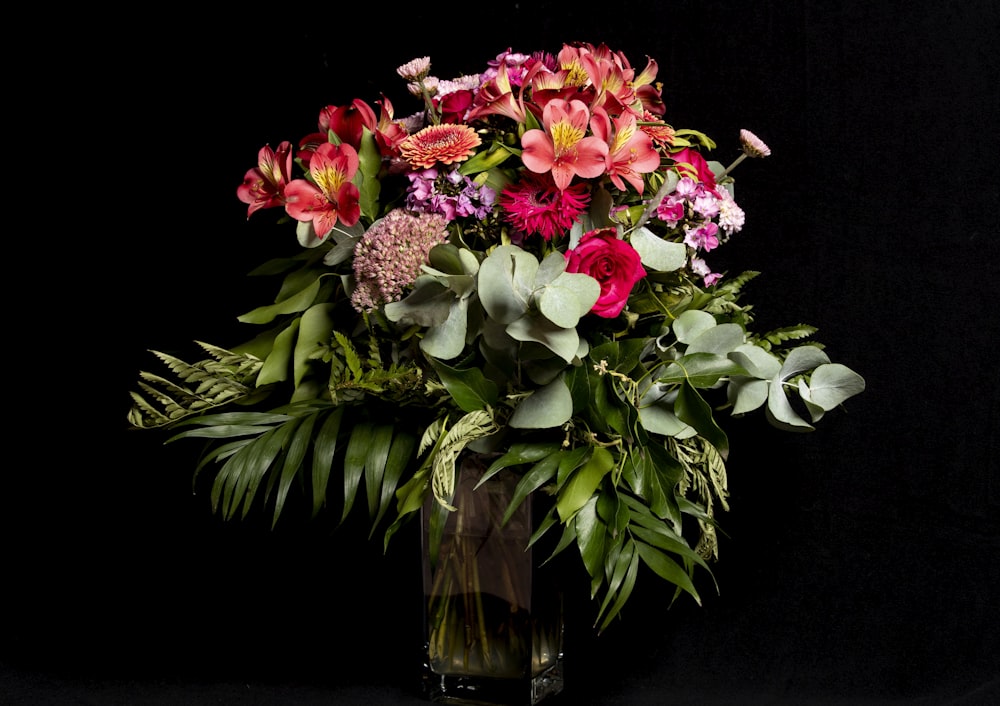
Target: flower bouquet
(517,269)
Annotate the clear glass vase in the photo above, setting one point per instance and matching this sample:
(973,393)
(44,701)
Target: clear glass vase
(493,621)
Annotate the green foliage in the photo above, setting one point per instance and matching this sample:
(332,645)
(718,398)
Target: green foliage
(224,378)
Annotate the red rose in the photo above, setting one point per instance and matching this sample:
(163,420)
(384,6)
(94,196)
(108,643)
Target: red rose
(612,262)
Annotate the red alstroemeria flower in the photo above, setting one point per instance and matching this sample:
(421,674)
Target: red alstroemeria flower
(264,185)
(347,122)
(563,147)
(389,132)
(331,196)
(630,150)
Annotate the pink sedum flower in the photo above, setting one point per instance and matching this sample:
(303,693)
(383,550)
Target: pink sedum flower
(389,256)
(612,262)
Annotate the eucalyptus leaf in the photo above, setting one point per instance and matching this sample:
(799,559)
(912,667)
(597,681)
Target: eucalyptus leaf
(656,253)
(564,342)
(547,407)
(691,324)
(506,283)
(721,339)
(568,297)
(446,340)
(429,304)
(832,383)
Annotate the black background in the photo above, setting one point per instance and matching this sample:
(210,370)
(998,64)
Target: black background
(862,560)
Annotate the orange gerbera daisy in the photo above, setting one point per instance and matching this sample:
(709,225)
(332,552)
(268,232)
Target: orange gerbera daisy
(444,144)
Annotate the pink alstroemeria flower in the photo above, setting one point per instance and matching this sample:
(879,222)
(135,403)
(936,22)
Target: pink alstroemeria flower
(264,185)
(496,97)
(630,150)
(332,197)
(563,147)
(611,76)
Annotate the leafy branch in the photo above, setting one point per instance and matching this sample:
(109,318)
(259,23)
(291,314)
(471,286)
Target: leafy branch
(224,378)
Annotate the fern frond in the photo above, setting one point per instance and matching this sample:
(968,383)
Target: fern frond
(789,333)
(735,284)
(193,388)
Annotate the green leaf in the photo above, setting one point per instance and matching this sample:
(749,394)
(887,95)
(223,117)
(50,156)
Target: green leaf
(720,340)
(548,406)
(366,179)
(621,585)
(398,460)
(315,332)
(446,340)
(518,454)
(324,449)
(780,412)
(540,474)
(693,410)
(667,569)
(276,365)
(354,463)
(568,297)
(298,302)
(375,461)
(299,444)
(691,324)
(506,283)
(564,342)
(468,387)
(699,369)
(591,534)
(574,494)
(654,477)
(487,159)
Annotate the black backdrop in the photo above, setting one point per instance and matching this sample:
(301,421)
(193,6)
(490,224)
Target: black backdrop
(861,562)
